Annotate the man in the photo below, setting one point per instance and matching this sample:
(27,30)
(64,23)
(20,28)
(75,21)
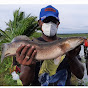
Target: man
(25,54)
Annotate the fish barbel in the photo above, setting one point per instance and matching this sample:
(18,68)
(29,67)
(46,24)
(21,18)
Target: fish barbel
(47,50)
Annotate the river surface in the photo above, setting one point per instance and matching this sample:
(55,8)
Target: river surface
(85,78)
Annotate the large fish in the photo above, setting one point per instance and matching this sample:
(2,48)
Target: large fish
(48,50)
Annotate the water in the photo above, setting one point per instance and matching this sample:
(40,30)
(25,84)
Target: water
(85,78)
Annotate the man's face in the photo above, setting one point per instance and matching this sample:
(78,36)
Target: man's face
(49,26)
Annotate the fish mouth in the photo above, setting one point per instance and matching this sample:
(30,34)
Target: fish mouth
(3,56)
(8,54)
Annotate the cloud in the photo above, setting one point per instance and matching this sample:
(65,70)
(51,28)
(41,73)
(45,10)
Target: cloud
(73,17)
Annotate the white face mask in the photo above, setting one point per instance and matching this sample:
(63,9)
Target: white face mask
(49,29)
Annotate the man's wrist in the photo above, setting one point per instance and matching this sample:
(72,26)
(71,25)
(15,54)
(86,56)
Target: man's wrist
(71,59)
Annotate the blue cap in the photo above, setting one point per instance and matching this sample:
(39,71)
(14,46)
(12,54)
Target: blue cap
(49,11)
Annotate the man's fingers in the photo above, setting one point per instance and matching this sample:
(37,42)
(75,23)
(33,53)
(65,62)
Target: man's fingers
(31,58)
(30,51)
(18,51)
(25,54)
(24,51)
(28,60)
(25,60)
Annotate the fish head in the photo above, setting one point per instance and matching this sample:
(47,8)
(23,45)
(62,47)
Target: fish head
(6,50)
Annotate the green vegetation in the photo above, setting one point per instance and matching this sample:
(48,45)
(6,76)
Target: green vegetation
(20,25)
(38,34)
(35,35)
(76,35)
(5,76)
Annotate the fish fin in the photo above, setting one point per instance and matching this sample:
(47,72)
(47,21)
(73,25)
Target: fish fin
(21,37)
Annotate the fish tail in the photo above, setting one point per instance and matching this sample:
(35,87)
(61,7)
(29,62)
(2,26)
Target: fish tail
(3,49)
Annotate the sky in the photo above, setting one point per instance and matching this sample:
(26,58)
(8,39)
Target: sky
(73,16)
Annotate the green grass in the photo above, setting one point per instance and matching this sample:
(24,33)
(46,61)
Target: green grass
(36,35)
(73,35)
(5,76)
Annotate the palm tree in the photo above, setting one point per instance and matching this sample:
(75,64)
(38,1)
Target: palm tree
(20,25)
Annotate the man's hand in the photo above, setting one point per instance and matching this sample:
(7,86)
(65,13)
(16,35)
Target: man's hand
(74,52)
(75,64)
(25,54)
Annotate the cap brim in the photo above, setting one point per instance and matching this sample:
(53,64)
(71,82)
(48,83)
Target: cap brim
(48,16)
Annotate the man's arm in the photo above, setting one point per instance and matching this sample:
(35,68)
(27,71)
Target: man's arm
(76,66)
(25,55)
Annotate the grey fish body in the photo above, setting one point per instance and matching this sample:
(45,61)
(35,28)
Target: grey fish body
(49,50)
